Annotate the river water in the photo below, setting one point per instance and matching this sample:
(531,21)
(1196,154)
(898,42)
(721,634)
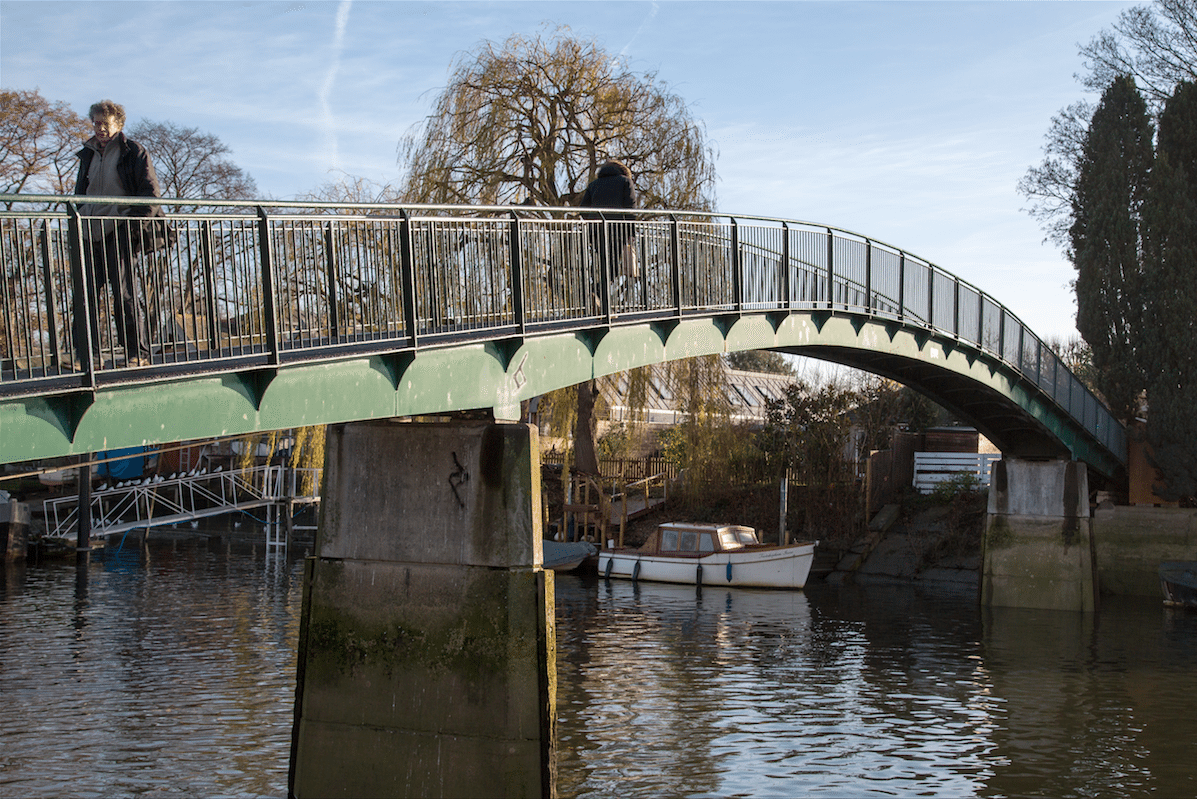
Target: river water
(169,671)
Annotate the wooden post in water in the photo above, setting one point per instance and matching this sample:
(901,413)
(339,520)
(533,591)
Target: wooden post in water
(783,535)
(83,511)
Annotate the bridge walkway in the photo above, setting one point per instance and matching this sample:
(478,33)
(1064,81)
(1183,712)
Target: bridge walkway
(159,502)
(260,315)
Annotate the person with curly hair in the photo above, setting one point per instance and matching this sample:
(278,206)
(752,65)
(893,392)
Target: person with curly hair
(113,165)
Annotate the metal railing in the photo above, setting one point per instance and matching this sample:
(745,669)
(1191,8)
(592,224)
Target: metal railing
(246,284)
(156,502)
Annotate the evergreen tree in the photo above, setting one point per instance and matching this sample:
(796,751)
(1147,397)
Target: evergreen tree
(1106,239)
(1155,44)
(1169,336)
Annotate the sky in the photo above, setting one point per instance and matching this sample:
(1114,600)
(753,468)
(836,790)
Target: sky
(907,122)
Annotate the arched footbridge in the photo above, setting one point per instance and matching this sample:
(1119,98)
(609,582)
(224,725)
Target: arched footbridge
(263,317)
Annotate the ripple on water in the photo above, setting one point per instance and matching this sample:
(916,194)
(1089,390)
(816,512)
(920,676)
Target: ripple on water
(170,673)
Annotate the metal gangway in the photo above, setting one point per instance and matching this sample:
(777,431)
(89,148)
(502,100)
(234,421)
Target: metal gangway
(157,501)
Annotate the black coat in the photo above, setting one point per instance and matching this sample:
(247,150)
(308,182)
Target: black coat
(136,173)
(611,189)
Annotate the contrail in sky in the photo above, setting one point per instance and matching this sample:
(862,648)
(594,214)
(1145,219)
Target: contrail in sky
(326,116)
(651,15)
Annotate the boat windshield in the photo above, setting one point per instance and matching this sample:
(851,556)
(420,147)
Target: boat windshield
(728,537)
(737,537)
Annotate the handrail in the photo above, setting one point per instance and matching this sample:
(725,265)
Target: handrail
(266,283)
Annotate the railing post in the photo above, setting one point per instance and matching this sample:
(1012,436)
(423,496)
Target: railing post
(902,285)
(737,271)
(931,296)
(642,266)
(269,300)
(208,265)
(48,288)
(606,311)
(868,275)
(330,266)
(980,338)
(1021,349)
(407,269)
(830,268)
(85,348)
(956,307)
(517,274)
(675,266)
(786,282)
(1002,333)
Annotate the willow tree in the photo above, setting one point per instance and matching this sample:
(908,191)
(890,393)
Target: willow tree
(530,121)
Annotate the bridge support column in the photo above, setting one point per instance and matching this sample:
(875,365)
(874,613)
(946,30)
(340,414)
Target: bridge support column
(426,652)
(1038,546)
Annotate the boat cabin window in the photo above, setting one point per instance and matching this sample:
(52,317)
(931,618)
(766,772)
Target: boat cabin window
(686,541)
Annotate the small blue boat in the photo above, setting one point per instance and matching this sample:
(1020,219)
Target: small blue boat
(1178,579)
(564,556)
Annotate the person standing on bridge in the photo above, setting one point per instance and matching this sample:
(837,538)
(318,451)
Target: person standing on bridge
(613,189)
(113,165)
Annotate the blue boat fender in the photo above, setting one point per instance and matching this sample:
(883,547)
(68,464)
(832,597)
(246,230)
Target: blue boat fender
(607,571)
(636,570)
(698,577)
(729,571)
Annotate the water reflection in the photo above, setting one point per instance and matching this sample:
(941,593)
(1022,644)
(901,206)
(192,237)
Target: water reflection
(165,671)
(1093,704)
(742,692)
(169,670)
(852,692)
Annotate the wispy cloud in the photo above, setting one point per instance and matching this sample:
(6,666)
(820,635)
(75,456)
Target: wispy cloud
(623,52)
(327,123)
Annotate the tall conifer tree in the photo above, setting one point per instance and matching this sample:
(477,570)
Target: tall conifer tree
(1106,240)
(1169,335)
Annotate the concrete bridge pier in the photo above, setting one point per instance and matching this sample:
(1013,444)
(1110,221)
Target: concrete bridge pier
(426,651)
(1039,549)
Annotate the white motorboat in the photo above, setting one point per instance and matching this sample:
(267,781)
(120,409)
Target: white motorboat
(710,554)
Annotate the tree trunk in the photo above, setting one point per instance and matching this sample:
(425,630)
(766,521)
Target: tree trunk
(585,459)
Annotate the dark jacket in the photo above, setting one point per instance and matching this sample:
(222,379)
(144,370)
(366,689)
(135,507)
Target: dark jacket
(611,189)
(136,173)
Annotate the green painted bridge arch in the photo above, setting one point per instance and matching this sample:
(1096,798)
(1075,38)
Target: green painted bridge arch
(264,318)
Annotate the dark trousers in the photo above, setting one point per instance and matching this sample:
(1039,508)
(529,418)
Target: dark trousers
(110,262)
